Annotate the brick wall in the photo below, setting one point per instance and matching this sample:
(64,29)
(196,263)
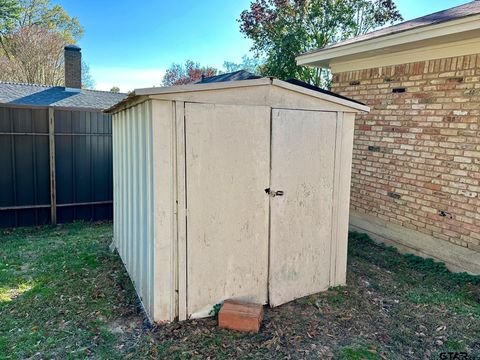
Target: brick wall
(417,154)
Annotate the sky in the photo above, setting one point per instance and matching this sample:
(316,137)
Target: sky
(130,44)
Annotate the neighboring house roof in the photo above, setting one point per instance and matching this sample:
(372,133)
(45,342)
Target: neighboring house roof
(56,96)
(457,24)
(233,76)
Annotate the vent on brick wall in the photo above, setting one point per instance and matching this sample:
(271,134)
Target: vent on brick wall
(457,79)
(354,82)
(394,195)
(387,79)
(374,148)
(445,214)
(398,90)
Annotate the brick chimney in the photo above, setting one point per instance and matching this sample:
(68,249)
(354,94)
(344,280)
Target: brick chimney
(73,68)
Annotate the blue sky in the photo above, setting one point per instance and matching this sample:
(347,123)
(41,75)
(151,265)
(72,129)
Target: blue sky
(131,43)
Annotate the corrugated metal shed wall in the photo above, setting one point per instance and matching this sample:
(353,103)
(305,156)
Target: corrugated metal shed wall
(144,214)
(133,213)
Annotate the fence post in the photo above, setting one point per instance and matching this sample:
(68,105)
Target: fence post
(53,186)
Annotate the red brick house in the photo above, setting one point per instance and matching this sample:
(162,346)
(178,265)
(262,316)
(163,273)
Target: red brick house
(416,166)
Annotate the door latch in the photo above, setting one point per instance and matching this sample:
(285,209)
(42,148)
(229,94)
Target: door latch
(274,193)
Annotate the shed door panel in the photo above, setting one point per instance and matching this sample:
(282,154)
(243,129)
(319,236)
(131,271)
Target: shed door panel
(303,159)
(227,169)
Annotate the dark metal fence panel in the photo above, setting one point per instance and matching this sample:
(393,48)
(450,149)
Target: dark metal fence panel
(83,142)
(81,152)
(24,159)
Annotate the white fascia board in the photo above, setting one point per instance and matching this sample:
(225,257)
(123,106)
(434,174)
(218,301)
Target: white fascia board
(323,57)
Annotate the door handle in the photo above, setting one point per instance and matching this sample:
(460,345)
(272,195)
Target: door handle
(274,193)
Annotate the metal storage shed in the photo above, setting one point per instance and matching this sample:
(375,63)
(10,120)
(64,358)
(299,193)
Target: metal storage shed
(231,190)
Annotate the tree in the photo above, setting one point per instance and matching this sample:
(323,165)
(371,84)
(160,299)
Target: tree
(87,79)
(248,63)
(189,73)
(20,14)
(42,13)
(33,34)
(9,14)
(283,29)
(35,56)
(115,89)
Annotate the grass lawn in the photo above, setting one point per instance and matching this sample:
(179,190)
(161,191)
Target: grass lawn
(63,294)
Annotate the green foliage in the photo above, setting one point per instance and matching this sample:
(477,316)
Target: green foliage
(87,79)
(44,14)
(337,298)
(32,36)
(215,311)
(358,354)
(19,14)
(251,64)
(282,30)
(163,347)
(115,89)
(414,262)
(453,345)
(424,281)
(9,15)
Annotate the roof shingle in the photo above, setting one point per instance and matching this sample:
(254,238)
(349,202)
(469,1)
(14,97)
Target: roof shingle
(56,96)
(233,76)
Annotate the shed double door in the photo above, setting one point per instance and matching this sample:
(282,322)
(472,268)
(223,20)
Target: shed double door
(259,187)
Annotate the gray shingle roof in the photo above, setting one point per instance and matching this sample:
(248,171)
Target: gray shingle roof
(28,94)
(233,76)
(458,12)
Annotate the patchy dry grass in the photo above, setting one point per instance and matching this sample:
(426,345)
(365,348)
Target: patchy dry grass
(64,295)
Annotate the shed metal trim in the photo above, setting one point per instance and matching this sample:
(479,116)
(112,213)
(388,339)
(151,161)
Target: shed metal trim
(267,81)
(203,87)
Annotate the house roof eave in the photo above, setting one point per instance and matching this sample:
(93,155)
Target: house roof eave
(458,29)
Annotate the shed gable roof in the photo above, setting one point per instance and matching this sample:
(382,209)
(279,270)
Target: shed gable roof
(56,96)
(212,92)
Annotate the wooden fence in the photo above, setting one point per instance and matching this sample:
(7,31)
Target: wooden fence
(55,165)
